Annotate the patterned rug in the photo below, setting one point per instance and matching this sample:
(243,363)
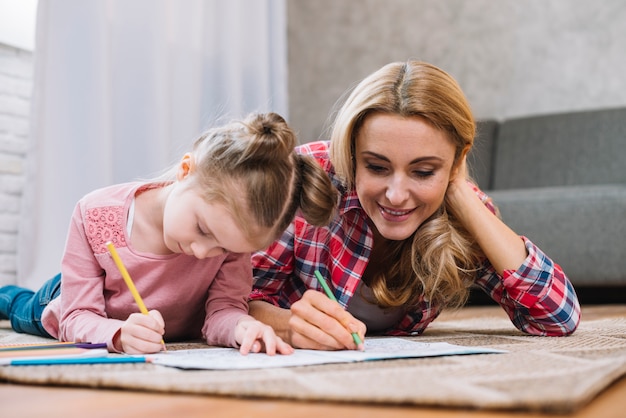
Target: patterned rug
(536,374)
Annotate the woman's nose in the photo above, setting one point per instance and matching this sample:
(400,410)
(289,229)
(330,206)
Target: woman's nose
(397,190)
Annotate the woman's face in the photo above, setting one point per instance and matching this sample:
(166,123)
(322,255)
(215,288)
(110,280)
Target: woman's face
(403,168)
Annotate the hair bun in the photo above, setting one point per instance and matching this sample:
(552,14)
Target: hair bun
(270,136)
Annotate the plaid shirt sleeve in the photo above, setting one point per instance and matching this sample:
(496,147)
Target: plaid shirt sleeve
(272,268)
(538,297)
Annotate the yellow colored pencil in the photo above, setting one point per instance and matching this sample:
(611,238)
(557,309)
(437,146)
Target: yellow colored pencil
(129,282)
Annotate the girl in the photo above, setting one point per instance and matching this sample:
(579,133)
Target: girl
(412,233)
(186,240)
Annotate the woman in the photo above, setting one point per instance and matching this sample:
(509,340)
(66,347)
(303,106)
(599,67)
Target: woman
(412,233)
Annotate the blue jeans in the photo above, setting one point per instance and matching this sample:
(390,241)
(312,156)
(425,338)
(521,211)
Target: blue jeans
(23,307)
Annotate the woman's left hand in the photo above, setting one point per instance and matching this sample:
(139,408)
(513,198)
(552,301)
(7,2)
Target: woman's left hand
(459,189)
(502,246)
(254,336)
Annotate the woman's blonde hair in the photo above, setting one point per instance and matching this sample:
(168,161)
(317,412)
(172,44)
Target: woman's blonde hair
(250,166)
(438,261)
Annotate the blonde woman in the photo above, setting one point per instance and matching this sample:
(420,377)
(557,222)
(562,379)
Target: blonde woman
(412,233)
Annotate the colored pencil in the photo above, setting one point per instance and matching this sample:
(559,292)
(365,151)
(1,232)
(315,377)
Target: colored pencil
(47,346)
(84,360)
(329,293)
(38,352)
(128,281)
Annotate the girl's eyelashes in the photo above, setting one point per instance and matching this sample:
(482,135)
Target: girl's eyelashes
(201,231)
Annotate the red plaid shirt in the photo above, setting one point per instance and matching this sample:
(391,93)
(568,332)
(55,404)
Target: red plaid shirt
(538,297)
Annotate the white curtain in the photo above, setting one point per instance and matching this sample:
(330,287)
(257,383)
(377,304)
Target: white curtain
(121,90)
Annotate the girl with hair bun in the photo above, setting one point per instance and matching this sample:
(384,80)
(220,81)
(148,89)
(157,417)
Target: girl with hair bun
(185,238)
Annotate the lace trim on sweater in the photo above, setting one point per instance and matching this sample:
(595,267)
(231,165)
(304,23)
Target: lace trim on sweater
(105,224)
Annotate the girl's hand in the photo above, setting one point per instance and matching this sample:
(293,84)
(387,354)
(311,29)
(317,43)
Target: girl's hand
(141,333)
(322,324)
(254,336)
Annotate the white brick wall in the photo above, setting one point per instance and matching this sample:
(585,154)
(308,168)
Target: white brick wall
(16,80)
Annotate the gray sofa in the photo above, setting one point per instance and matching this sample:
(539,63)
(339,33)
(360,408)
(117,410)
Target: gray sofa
(560,180)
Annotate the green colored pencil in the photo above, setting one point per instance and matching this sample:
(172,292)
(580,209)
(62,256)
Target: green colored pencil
(332,297)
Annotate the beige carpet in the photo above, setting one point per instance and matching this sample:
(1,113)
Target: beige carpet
(538,374)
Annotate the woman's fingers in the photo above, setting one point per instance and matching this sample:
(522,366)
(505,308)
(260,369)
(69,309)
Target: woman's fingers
(320,323)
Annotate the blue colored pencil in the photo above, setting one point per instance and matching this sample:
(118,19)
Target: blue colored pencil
(84,360)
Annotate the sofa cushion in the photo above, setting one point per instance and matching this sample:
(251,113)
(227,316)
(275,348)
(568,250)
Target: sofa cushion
(583,228)
(480,157)
(575,148)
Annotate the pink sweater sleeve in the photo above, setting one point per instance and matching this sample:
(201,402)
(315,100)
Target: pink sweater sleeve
(227,300)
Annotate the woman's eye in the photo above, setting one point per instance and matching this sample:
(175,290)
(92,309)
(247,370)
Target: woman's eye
(424,173)
(375,168)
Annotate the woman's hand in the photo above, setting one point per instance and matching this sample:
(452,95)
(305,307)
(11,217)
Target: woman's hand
(502,246)
(458,183)
(322,324)
(254,336)
(141,334)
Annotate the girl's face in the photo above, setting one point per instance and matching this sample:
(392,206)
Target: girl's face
(403,168)
(201,229)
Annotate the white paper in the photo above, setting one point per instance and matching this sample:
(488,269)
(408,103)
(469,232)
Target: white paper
(375,349)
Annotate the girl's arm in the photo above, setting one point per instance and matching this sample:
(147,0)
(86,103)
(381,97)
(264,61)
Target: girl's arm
(227,322)
(82,313)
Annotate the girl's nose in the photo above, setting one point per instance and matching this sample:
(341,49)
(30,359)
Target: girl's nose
(204,251)
(397,190)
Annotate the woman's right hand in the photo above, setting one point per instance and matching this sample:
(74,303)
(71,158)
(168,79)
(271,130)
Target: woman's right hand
(319,323)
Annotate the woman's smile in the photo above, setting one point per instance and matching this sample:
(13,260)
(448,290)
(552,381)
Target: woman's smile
(394,215)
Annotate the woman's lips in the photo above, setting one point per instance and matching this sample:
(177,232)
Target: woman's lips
(395,215)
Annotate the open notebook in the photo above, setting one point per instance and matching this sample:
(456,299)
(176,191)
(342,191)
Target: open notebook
(375,349)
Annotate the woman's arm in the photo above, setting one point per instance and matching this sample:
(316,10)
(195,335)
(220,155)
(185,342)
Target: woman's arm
(534,291)
(503,247)
(313,322)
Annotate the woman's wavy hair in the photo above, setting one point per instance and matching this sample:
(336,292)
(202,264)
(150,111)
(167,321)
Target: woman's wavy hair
(438,261)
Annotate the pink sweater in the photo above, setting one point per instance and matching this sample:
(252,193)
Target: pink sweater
(197,298)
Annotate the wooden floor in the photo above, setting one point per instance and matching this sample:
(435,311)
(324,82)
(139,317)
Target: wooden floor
(21,401)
